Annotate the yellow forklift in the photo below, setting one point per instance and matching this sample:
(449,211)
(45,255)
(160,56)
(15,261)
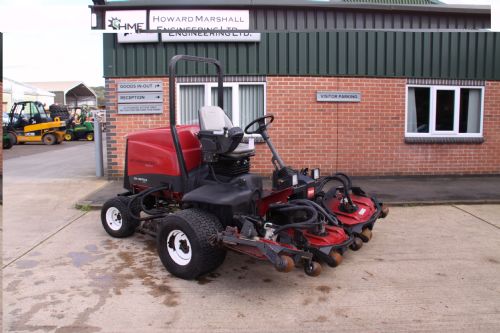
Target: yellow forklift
(28,122)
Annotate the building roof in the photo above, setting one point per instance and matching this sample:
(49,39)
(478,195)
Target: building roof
(76,87)
(405,5)
(9,84)
(56,85)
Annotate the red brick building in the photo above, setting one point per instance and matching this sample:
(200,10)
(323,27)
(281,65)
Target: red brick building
(368,89)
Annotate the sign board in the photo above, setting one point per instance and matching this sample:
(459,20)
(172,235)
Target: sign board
(140,97)
(206,36)
(137,38)
(338,96)
(126,20)
(156,108)
(199,20)
(140,86)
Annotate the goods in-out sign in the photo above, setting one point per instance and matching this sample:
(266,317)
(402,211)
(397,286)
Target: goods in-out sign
(140,86)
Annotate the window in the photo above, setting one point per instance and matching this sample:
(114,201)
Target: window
(243,102)
(444,111)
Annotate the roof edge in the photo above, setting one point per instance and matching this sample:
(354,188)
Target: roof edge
(439,7)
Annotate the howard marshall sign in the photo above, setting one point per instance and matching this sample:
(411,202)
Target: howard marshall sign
(338,96)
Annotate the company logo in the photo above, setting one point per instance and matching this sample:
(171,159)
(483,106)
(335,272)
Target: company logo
(114,23)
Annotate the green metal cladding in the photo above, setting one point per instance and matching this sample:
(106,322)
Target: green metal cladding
(1,56)
(444,55)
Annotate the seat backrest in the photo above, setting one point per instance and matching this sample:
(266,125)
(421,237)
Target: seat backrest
(213,118)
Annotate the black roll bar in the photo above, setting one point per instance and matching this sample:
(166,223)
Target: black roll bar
(171,96)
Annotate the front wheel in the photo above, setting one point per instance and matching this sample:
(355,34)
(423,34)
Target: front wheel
(184,243)
(89,136)
(7,144)
(116,218)
(12,138)
(69,136)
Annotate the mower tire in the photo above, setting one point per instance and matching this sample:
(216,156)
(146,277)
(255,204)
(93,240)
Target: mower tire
(184,243)
(89,136)
(116,218)
(313,268)
(357,244)
(366,235)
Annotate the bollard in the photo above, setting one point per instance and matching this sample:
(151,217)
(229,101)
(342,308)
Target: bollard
(99,163)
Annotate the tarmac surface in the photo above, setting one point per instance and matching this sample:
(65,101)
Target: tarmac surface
(394,191)
(427,268)
(38,148)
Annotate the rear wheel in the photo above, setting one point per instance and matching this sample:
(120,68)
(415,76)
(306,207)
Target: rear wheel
(49,139)
(89,136)
(184,243)
(116,218)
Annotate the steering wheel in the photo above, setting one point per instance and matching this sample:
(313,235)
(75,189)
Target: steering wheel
(262,124)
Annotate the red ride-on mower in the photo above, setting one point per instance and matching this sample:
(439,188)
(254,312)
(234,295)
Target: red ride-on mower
(190,187)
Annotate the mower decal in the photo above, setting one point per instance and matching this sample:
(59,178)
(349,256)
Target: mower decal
(140,179)
(362,211)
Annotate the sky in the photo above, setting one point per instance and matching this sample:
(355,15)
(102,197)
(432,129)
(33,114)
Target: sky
(51,40)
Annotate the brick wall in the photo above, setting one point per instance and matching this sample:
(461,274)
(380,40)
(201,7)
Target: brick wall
(1,105)
(365,138)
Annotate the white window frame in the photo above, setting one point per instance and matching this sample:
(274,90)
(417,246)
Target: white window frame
(208,97)
(432,113)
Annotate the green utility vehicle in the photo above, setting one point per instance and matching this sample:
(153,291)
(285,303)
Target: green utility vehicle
(82,130)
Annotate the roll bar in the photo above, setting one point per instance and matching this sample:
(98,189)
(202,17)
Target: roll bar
(171,96)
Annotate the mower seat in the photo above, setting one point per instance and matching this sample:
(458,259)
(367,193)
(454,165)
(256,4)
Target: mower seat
(218,136)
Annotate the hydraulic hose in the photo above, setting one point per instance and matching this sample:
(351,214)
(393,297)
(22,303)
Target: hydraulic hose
(142,196)
(347,186)
(332,219)
(311,222)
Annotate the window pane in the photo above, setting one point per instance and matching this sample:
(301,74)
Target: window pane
(251,103)
(418,110)
(445,110)
(470,110)
(190,101)
(228,100)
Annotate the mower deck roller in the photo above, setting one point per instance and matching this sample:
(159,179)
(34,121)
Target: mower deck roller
(190,187)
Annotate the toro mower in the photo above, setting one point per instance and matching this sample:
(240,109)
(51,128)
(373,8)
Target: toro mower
(190,187)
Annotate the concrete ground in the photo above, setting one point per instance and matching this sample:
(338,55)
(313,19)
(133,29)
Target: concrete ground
(428,268)
(40,191)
